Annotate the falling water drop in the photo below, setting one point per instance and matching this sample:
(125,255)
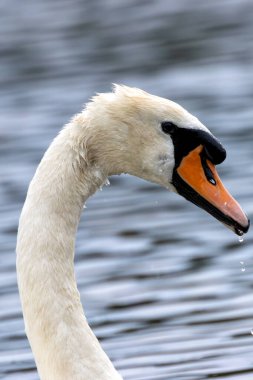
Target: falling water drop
(243,269)
(240,238)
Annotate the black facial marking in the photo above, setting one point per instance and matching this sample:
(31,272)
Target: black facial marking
(185,140)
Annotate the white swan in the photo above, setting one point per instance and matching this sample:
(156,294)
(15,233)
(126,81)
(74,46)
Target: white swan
(126,131)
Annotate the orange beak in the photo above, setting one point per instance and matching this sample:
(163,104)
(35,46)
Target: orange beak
(197,180)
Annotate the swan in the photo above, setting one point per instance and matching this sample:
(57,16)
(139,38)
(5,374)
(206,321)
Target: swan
(124,131)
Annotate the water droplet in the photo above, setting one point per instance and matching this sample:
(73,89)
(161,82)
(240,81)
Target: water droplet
(243,269)
(238,231)
(240,238)
(107,182)
(84,206)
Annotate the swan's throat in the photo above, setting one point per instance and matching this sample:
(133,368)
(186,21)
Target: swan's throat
(62,342)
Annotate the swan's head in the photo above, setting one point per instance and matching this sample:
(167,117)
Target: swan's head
(158,140)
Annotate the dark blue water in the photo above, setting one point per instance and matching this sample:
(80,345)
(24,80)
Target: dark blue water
(167,289)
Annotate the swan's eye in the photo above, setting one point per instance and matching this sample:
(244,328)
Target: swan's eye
(168,127)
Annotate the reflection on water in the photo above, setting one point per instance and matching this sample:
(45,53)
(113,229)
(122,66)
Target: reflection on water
(163,284)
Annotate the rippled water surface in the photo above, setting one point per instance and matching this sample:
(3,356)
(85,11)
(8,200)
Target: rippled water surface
(166,288)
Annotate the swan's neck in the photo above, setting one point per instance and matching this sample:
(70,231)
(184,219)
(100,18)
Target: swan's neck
(62,342)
